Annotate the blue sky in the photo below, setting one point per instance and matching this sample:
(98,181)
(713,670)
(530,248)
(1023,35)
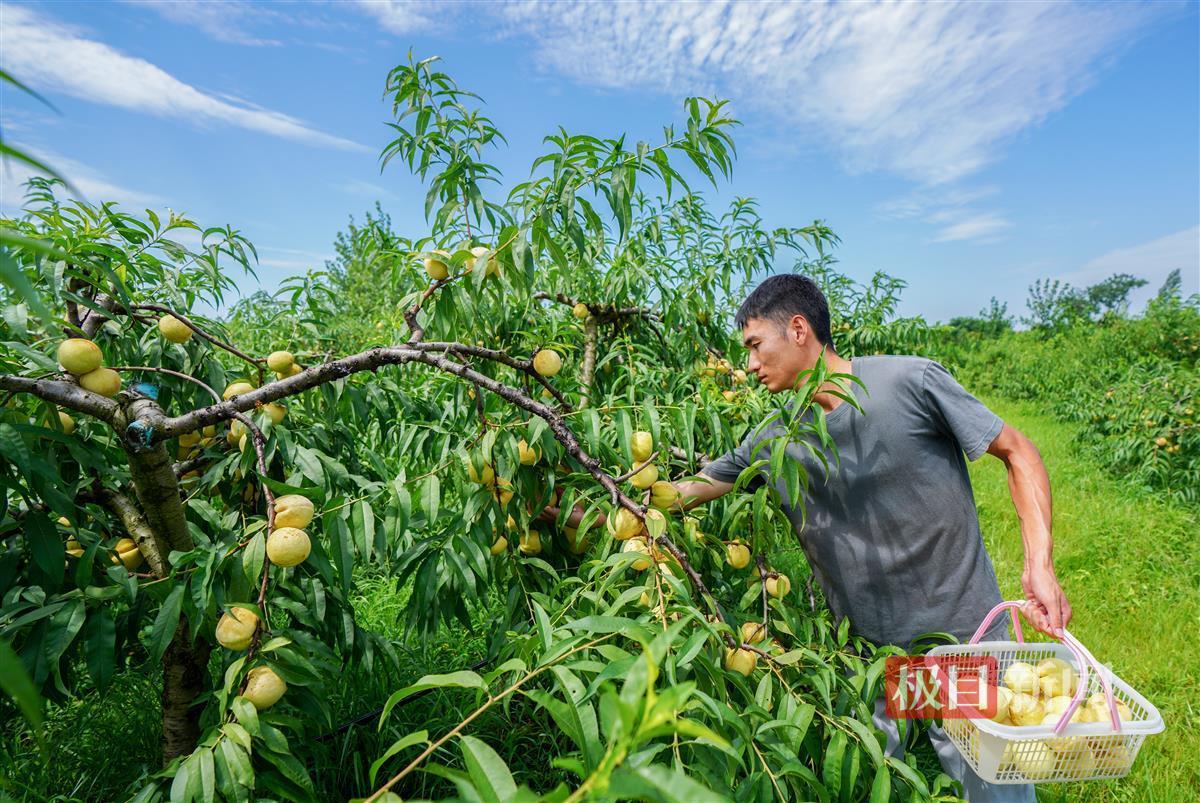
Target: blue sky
(968,149)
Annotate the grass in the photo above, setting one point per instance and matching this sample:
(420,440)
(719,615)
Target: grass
(1130,565)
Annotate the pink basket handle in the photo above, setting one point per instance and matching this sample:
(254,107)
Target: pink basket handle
(993,613)
(1087,663)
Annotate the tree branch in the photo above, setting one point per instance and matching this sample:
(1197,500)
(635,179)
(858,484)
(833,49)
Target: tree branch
(139,529)
(64,393)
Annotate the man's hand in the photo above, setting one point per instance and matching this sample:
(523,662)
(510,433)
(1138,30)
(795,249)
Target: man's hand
(1047,605)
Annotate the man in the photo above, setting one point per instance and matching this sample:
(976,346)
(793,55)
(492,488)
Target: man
(892,534)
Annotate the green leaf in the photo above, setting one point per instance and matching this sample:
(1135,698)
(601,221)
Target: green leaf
(400,744)
(491,776)
(15,682)
(165,623)
(462,680)
(100,636)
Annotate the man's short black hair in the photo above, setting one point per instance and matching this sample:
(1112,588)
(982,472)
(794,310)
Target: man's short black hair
(779,298)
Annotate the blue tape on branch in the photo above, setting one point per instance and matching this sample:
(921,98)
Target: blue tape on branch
(139,436)
(146,389)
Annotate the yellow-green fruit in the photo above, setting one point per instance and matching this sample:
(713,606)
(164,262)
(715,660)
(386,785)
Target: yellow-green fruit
(104,381)
(79,355)
(74,548)
(1004,697)
(237,389)
(691,528)
(728,395)
(639,546)
(739,376)
(702,316)
(580,311)
(547,362)
(1035,760)
(1025,709)
(485,477)
(1098,705)
(174,329)
(263,687)
(295,369)
(641,445)
(242,441)
(293,510)
(737,554)
(128,553)
(288,546)
(499,546)
(67,423)
(189,439)
(1049,666)
(1066,744)
(741,661)
(280,361)
(528,455)
(1021,677)
(503,491)
(491,269)
(530,543)
(437,269)
(753,632)
(275,412)
(576,544)
(210,431)
(645,478)
(779,587)
(624,525)
(64,521)
(1056,677)
(656,523)
(236,629)
(663,495)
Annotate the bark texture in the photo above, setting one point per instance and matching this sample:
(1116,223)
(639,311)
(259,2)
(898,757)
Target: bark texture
(185,678)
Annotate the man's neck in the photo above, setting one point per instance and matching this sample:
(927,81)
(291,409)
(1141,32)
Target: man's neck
(836,365)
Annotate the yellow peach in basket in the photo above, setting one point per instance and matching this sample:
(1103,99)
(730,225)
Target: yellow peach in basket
(1025,709)
(1021,677)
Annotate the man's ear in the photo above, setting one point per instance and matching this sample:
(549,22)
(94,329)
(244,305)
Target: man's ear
(799,330)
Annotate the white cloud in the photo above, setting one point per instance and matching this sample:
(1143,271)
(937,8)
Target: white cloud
(224,20)
(364,189)
(982,226)
(1152,261)
(47,54)
(398,16)
(929,91)
(93,185)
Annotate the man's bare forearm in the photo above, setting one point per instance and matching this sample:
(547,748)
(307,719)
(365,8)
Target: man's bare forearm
(1029,486)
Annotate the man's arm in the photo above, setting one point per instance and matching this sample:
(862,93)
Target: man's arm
(1029,485)
(697,492)
(691,493)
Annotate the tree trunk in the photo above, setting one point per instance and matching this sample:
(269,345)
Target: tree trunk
(164,528)
(587,373)
(185,677)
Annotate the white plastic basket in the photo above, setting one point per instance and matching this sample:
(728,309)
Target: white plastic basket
(1008,754)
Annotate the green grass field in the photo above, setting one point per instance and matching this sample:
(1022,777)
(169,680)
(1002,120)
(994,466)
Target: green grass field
(1130,565)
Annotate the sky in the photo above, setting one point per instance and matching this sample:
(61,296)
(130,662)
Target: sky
(968,149)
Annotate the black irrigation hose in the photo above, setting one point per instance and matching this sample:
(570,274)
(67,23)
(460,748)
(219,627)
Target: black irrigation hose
(370,715)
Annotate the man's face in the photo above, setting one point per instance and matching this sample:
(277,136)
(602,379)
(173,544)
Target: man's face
(777,354)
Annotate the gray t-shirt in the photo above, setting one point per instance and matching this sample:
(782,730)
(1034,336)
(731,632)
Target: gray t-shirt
(892,535)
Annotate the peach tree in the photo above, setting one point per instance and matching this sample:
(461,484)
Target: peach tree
(489,413)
